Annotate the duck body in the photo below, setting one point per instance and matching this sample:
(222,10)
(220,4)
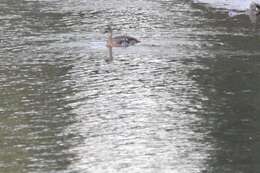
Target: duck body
(120,41)
(254,8)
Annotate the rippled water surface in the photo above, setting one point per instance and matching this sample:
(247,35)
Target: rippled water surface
(184,100)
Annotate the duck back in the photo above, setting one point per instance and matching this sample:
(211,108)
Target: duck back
(125,41)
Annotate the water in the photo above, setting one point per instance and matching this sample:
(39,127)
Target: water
(185,100)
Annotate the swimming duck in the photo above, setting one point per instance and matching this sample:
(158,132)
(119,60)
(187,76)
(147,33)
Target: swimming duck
(254,8)
(253,11)
(119,41)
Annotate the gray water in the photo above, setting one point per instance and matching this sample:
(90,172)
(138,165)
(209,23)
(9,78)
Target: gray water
(184,100)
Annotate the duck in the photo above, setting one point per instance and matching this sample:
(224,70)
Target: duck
(253,11)
(255,8)
(119,41)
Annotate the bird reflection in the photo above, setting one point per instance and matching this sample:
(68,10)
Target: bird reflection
(110,57)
